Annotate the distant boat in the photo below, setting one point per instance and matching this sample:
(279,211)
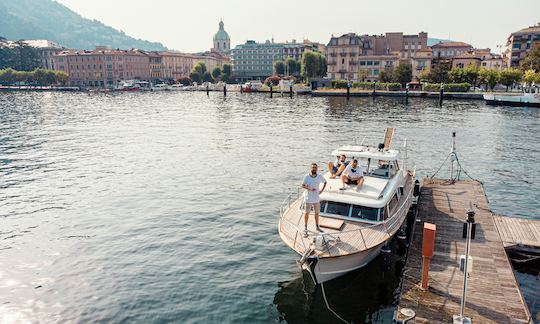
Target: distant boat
(526,99)
(160,87)
(252,86)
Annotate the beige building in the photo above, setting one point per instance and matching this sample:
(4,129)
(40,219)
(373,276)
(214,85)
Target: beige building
(519,43)
(46,50)
(421,61)
(480,58)
(350,53)
(450,49)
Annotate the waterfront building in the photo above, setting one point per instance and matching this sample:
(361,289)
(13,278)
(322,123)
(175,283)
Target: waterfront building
(519,43)
(480,58)
(450,49)
(421,61)
(176,64)
(102,67)
(222,41)
(46,50)
(252,60)
(350,53)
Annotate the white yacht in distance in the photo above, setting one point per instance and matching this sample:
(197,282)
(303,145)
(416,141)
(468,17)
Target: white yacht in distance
(356,223)
(523,100)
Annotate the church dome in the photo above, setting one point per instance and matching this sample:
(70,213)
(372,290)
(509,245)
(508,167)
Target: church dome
(221,34)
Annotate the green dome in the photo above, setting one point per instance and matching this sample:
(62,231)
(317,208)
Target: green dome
(221,34)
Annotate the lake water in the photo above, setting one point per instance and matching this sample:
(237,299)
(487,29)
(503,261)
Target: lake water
(162,207)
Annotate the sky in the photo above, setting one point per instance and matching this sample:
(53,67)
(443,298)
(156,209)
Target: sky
(189,26)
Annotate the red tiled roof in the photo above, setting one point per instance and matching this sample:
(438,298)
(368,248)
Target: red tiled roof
(452,44)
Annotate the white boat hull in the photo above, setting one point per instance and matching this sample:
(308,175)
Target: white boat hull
(326,269)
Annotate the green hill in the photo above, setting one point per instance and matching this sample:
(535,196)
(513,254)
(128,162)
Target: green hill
(47,19)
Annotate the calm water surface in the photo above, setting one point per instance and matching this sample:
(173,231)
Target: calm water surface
(157,207)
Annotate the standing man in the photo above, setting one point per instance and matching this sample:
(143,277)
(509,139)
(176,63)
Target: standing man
(312,182)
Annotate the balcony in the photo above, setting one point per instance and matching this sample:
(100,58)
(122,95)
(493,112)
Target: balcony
(352,62)
(342,54)
(333,54)
(342,71)
(353,53)
(332,63)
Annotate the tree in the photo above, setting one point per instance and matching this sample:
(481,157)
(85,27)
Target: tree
(196,77)
(226,71)
(529,77)
(292,66)
(279,67)
(27,57)
(313,64)
(488,77)
(207,77)
(8,76)
(385,75)
(424,75)
(510,76)
(402,73)
(532,59)
(322,65)
(456,75)
(439,72)
(61,77)
(216,73)
(362,75)
(200,68)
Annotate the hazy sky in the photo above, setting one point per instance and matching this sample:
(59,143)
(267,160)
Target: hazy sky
(190,25)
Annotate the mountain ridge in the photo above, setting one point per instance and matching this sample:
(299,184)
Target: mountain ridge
(48,19)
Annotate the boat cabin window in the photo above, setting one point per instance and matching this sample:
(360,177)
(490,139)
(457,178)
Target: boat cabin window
(337,208)
(354,211)
(365,213)
(393,203)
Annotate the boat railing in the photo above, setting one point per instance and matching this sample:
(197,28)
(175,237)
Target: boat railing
(388,227)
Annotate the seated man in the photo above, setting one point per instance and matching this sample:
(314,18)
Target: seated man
(337,169)
(353,174)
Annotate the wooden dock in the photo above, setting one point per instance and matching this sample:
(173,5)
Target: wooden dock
(493,295)
(518,231)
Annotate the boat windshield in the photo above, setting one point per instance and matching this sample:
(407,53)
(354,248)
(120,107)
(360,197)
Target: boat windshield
(380,168)
(350,210)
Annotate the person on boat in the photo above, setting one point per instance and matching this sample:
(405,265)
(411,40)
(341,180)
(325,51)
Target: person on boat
(353,174)
(312,183)
(337,169)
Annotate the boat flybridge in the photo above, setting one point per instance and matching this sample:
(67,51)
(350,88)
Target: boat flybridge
(356,222)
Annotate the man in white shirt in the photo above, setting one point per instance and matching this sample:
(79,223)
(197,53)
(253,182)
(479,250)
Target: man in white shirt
(312,182)
(353,174)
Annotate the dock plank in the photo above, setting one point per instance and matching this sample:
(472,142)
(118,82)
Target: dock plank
(518,231)
(493,295)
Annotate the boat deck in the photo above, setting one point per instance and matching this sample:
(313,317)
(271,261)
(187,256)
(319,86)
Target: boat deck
(493,295)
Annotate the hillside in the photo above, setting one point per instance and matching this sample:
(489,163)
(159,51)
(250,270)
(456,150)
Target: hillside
(47,19)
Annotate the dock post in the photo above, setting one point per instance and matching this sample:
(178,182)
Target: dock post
(441,94)
(291,91)
(207,90)
(241,89)
(225,90)
(428,248)
(374,86)
(348,92)
(461,319)
(271,91)
(407,94)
